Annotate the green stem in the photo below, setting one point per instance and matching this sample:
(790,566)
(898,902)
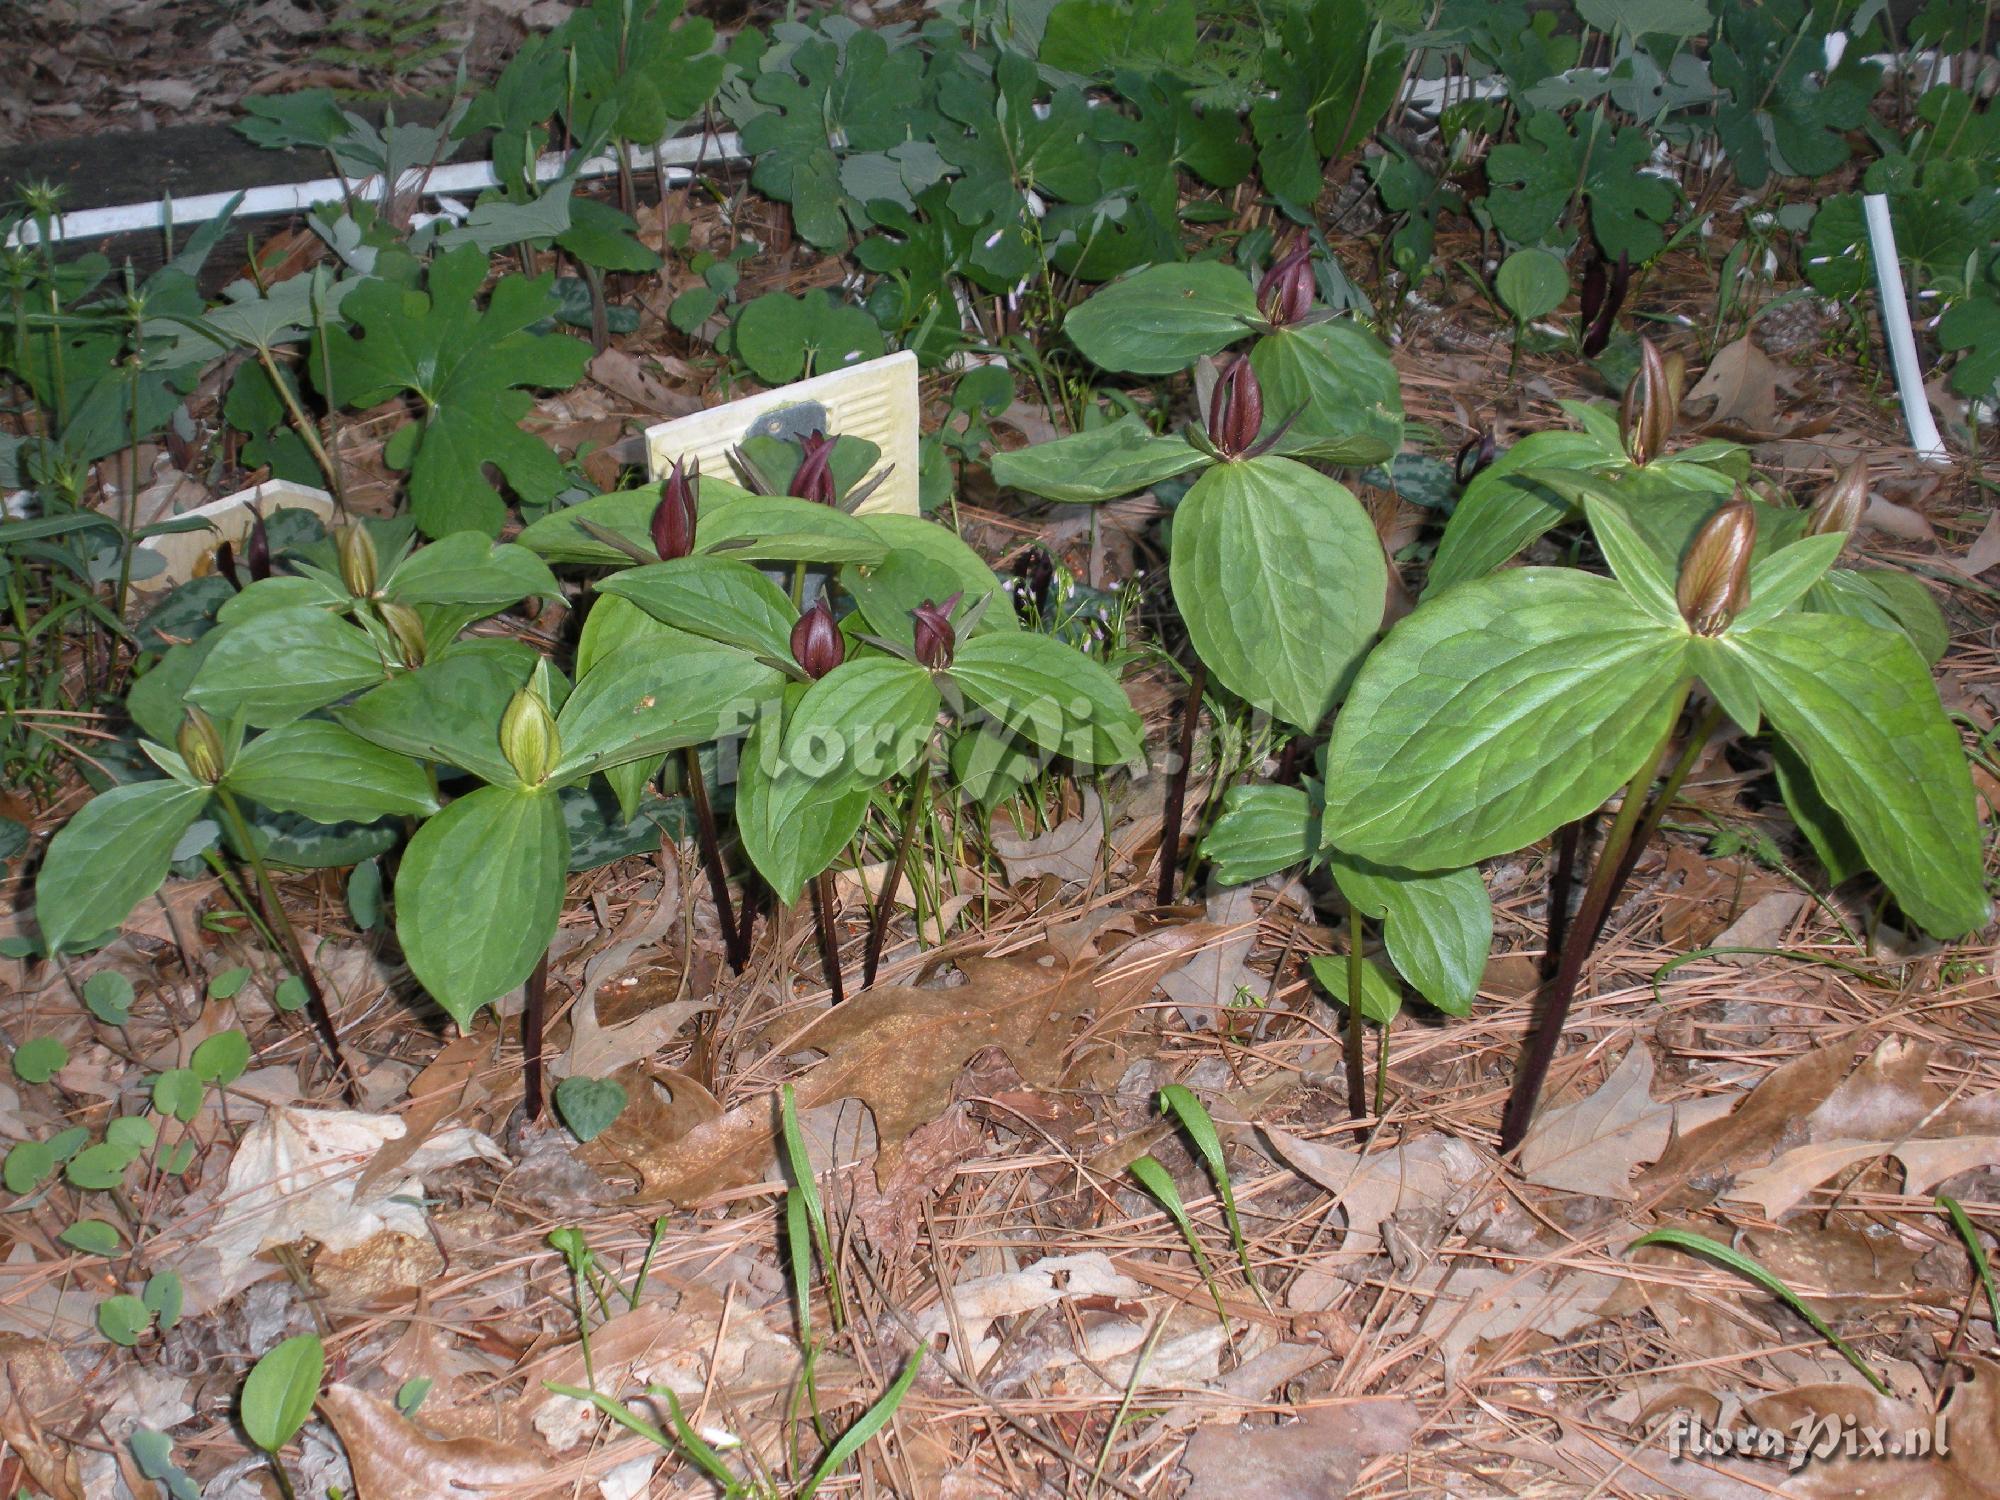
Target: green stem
(308,434)
(284,1479)
(1598,897)
(292,948)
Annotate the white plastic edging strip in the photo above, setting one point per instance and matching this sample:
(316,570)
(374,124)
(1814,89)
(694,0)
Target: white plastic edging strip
(677,155)
(1896,330)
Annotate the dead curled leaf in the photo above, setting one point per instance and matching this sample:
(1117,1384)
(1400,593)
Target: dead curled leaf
(1592,1145)
(394,1459)
(1317,1458)
(1744,382)
(900,1050)
(1068,851)
(1435,1174)
(1704,1158)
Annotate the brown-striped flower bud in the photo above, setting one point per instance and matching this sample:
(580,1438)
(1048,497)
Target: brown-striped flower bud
(528,737)
(1839,506)
(1235,409)
(1652,402)
(200,744)
(257,547)
(407,626)
(1285,293)
(813,479)
(817,645)
(1715,576)
(936,642)
(1478,451)
(357,559)
(674,517)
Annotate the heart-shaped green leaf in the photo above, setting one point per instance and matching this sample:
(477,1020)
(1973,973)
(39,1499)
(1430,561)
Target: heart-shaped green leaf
(589,1105)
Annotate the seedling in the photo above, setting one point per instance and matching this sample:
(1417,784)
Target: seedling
(278,1396)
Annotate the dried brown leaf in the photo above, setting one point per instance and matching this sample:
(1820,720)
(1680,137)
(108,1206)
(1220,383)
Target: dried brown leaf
(394,1459)
(1068,851)
(1744,382)
(1434,1174)
(900,1050)
(1592,1146)
(1756,1128)
(1317,1458)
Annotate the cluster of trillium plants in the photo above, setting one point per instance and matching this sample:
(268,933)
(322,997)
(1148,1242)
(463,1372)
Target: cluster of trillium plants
(357,692)
(845,655)
(1513,703)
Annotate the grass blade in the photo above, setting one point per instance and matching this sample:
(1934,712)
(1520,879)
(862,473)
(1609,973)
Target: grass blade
(1156,1180)
(1744,1266)
(1962,1222)
(1181,1103)
(872,1421)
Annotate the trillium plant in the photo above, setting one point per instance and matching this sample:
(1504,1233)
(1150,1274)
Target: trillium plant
(1507,707)
(1276,570)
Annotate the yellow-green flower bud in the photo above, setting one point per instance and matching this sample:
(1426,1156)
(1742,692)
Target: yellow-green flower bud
(528,737)
(200,744)
(407,627)
(1715,577)
(357,559)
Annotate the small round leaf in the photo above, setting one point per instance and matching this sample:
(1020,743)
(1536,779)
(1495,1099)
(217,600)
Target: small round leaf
(39,1059)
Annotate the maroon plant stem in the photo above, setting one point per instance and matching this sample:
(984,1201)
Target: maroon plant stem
(1657,809)
(1598,897)
(1562,878)
(281,924)
(533,1011)
(735,933)
(1170,828)
(885,905)
(829,940)
(1357,1024)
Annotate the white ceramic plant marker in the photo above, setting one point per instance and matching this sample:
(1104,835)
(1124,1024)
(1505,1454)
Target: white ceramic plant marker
(228,521)
(876,400)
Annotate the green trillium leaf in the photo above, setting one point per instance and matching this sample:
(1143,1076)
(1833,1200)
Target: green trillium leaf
(1052,695)
(283,665)
(109,857)
(330,774)
(718,598)
(479,893)
(1338,378)
(1496,713)
(1437,927)
(1161,320)
(1100,464)
(1859,706)
(1281,579)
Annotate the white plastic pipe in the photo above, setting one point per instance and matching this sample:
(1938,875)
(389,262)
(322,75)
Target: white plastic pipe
(677,155)
(1896,330)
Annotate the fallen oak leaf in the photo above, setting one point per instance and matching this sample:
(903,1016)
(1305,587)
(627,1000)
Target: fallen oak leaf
(1592,1145)
(1779,1187)
(1744,382)
(900,1050)
(394,1459)
(1748,1135)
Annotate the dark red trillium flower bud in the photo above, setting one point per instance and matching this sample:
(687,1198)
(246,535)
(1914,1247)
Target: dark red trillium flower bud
(1034,575)
(1602,297)
(1235,409)
(936,641)
(257,549)
(674,516)
(814,479)
(225,564)
(817,645)
(1480,450)
(1285,294)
